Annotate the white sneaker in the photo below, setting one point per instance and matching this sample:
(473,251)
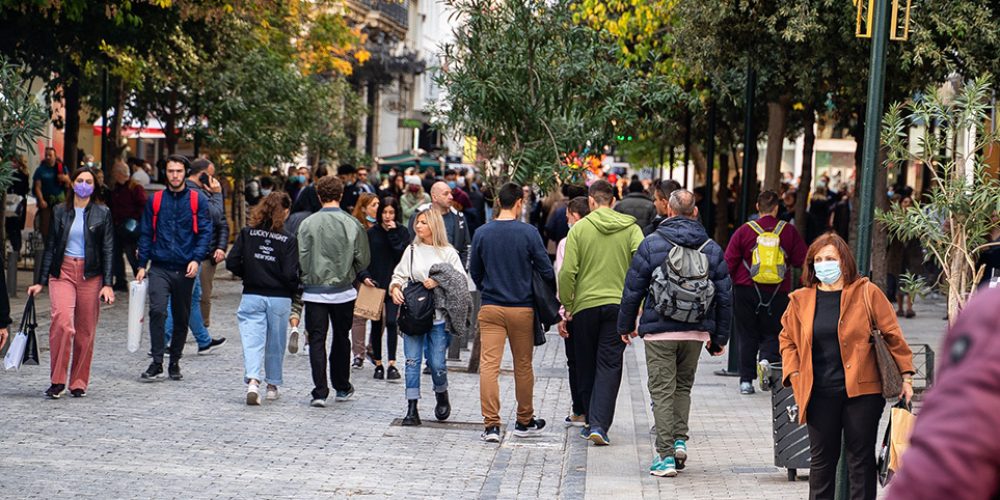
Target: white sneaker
(253,395)
(272,393)
(293,340)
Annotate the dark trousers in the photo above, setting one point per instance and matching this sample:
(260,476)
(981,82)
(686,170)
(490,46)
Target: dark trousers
(832,414)
(319,316)
(391,335)
(757,327)
(574,383)
(125,246)
(172,285)
(13,227)
(599,351)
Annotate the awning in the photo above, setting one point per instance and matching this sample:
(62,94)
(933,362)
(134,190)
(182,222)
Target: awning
(408,160)
(153,129)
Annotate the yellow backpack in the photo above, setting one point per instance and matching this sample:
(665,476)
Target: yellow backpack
(767,260)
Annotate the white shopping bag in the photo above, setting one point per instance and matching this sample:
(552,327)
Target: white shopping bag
(15,353)
(136,312)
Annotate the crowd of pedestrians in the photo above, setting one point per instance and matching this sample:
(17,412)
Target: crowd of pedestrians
(451,258)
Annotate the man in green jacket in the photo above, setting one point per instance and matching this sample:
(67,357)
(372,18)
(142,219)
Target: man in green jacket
(333,249)
(599,251)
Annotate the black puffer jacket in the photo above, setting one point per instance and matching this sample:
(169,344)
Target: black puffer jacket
(651,254)
(98,242)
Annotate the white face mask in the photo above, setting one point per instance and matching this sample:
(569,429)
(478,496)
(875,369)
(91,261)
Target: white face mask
(265,192)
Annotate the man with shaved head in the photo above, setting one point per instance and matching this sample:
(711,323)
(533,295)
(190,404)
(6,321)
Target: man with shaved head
(454,221)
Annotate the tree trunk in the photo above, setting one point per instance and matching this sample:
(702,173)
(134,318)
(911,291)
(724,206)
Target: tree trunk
(808,146)
(115,135)
(777,122)
(71,127)
(722,202)
(880,236)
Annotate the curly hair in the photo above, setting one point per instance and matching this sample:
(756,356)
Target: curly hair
(269,213)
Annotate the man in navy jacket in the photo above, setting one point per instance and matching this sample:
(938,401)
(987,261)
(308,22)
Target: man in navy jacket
(672,347)
(173,240)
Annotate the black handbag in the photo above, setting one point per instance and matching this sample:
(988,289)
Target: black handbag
(546,303)
(416,313)
(28,325)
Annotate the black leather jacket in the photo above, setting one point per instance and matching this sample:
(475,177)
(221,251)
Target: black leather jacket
(98,242)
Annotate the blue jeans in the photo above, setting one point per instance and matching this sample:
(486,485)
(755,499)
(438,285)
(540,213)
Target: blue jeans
(263,323)
(431,346)
(195,321)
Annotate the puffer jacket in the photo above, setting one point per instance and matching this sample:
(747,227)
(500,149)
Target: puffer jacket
(639,206)
(220,226)
(651,254)
(175,244)
(98,242)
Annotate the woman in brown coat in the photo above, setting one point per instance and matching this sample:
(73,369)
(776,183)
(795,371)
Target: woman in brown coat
(828,359)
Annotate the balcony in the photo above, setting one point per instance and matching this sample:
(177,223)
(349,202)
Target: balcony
(392,16)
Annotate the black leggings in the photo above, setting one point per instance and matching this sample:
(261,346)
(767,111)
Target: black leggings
(832,414)
(391,311)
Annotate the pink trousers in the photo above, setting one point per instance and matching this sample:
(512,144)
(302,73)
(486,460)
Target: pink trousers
(75,308)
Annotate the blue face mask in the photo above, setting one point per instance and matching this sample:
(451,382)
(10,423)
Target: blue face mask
(828,271)
(452,184)
(370,219)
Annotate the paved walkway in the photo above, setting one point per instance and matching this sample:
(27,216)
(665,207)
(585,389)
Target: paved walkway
(197,439)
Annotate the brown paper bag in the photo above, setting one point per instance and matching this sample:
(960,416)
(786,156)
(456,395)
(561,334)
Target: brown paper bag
(902,425)
(369,303)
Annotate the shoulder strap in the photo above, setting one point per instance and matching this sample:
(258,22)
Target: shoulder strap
(703,245)
(194,210)
(756,227)
(781,225)
(157,199)
(868,306)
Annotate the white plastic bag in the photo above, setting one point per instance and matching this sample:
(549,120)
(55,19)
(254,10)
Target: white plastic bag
(15,353)
(136,312)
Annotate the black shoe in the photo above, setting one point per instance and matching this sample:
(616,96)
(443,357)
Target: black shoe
(532,428)
(443,408)
(55,391)
(78,393)
(358,363)
(491,434)
(427,370)
(211,346)
(412,415)
(379,372)
(175,370)
(393,373)
(154,373)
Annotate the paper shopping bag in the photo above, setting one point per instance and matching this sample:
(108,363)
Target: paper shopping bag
(136,312)
(899,437)
(369,303)
(15,353)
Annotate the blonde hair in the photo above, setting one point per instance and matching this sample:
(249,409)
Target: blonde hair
(439,238)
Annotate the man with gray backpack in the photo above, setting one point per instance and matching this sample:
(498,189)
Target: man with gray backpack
(759,256)
(680,277)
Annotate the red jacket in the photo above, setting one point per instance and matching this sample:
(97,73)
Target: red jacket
(127,202)
(954,451)
(741,245)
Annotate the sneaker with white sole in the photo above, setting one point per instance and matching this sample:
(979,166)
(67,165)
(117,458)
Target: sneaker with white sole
(272,393)
(293,340)
(253,395)
(663,467)
(680,453)
(746,388)
(212,346)
(491,434)
(344,395)
(764,375)
(318,403)
(533,428)
(574,420)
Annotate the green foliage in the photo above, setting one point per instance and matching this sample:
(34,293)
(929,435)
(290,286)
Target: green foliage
(953,220)
(22,119)
(913,285)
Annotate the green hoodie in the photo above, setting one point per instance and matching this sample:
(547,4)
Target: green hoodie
(599,250)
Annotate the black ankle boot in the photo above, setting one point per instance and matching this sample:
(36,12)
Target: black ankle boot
(443,408)
(412,415)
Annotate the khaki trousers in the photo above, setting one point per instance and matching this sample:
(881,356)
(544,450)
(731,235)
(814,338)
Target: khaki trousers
(498,325)
(207,277)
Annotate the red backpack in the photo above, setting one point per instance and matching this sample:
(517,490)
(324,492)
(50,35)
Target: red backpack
(158,198)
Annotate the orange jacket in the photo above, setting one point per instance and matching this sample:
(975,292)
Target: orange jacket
(856,349)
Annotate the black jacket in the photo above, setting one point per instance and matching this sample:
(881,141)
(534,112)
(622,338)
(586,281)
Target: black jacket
(98,242)
(386,249)
(272,260)
(649,256)
(639,206)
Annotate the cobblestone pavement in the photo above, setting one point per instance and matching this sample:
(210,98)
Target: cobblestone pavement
(197,439)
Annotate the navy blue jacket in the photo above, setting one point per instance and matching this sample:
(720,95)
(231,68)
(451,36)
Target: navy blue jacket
(176,243)
(651,254)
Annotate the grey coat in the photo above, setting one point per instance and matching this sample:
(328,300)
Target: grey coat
(452,296)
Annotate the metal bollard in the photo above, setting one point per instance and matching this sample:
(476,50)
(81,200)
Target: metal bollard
(12,274)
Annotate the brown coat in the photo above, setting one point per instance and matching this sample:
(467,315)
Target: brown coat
(856,350)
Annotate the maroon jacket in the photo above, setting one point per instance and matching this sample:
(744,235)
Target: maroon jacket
(954,451)
(740,248)
(127,202)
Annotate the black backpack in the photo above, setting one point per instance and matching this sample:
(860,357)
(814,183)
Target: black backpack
(416,314)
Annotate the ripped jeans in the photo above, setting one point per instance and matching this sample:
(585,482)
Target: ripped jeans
(432,346)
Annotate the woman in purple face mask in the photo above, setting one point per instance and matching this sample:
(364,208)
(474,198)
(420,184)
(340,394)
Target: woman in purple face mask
(77,267)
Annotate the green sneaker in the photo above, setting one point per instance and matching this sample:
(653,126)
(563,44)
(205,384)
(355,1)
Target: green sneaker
(663,467)
(680,453)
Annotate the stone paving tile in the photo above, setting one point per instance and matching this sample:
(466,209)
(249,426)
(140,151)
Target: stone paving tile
(197,439)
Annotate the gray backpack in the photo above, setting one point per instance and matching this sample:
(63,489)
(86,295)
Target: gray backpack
(681,287)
